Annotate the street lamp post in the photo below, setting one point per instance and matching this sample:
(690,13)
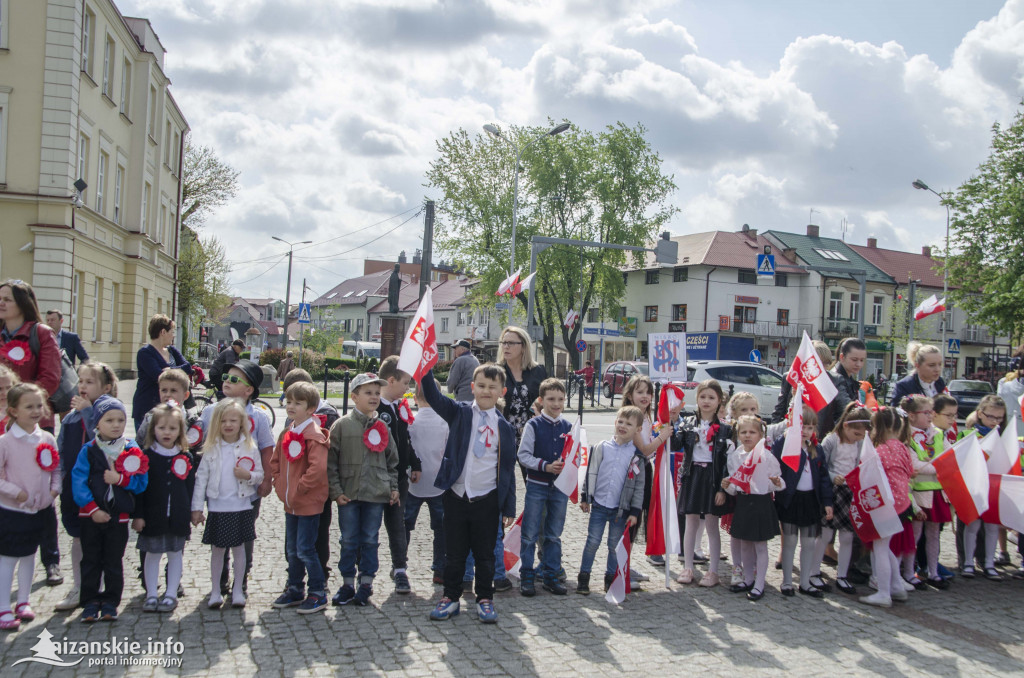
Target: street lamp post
(288,289)
(920,185)
(494,131)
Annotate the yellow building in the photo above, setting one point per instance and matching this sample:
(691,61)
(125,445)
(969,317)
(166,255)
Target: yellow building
(84,99)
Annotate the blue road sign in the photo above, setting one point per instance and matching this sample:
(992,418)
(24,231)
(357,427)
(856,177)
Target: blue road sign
(755,356)
(304,313)
(581,345)
(766,264)
(501,306)
(954,347)
(607,331)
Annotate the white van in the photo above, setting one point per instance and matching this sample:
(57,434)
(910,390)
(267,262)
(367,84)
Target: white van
(360,349)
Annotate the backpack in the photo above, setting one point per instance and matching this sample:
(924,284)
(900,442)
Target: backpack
(60,401)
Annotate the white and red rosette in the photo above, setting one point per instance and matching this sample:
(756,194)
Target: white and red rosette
(181,465)
(131,462)
(405,412)
(194,435)
(252,425)
(375,437)
(248,463)
(47,457)
(321,419)
(293,445)
(16,352)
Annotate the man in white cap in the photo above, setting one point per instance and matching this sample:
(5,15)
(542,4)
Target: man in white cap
(460,377)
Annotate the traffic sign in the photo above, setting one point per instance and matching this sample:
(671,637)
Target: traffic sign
(954,347)
(605,331)
(304,313)
(501,306)
(581,345)
(755,356)
(766,264)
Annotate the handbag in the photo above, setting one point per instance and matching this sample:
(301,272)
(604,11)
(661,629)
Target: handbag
(67,388)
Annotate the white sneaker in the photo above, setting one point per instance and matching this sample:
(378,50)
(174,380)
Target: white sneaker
(900,596)
(877,599)
(737,575)
(907,586)
(70,602)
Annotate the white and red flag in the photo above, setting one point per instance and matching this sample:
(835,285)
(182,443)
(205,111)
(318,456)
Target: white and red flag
(663,526)
(620,585)
(523,285)
(568,480)
(872,510)
(1002,452)
(508,283)
(930,306)
(513,545)
(794,440)
(963,474)
(570,318)
(752,476)
(419,350)
(808,370)
(1005,502)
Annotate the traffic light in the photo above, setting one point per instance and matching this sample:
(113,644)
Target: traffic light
(666,251)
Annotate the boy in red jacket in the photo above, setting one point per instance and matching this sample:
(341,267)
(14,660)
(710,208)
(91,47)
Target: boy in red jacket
(299,470)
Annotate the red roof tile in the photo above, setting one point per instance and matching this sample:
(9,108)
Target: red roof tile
(901,265)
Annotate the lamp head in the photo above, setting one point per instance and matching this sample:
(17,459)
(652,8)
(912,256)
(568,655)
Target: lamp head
(492,130)
(559,129)
(920,185)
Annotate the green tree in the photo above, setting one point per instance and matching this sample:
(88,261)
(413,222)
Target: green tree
(202,280)
(604,187)
(987,233)
(207,183)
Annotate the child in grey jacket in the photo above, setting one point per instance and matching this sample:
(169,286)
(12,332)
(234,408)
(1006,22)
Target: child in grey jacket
(613,493)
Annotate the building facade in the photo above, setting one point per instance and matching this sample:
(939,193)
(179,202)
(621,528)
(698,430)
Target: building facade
(84,100)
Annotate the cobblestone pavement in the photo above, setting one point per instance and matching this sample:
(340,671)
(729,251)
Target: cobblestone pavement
(975,628)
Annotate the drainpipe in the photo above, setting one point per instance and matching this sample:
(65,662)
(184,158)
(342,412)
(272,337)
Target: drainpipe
(824,285)
(707,287)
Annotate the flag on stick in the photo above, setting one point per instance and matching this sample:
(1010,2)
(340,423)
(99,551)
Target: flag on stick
(1005,502)
(569,477)
(930,306)
(570,318)
(808,370)
(620,585)
(963,474)
(794,440)
(508,283)
(513,545)
(872,510)
(419,350)
(523,285)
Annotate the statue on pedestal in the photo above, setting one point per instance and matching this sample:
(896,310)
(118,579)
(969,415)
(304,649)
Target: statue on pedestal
(394,285)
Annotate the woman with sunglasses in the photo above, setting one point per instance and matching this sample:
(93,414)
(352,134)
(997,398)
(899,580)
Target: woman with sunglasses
(523,376)
(152,359)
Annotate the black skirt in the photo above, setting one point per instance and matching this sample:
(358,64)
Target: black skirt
(20,533)
(755,518)
(697,494)
(227,530)
(803,511)
(842,497)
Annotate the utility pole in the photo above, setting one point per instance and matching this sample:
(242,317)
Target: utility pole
(426,267)
(910,313)
(301,330)
(288,288)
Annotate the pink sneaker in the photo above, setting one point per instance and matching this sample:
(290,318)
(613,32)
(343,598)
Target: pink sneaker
(8,622)
(23,612)
(685,577)
(709,580)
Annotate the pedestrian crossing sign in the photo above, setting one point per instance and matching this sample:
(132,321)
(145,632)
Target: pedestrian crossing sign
(304,312)
(766,264)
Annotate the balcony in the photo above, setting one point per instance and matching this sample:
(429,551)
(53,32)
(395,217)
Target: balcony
(764,328)
(979,335)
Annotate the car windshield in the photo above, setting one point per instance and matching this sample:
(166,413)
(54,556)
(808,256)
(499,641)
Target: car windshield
(964,386)
(643,368)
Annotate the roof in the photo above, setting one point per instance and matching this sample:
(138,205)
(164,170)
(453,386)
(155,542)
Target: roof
(357,290)
(830,253)
(444,294)
(901,265)
(257,302)
(271,328)
(732,249)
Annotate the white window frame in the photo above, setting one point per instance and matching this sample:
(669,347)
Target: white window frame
(76,287)
(4,20)
(126,86)
(151,130)
(83,158)
(108,65)
(115,293)
(88,33)
(118,190)
(167,145)
(101,177)
(146,193)
(854,305)
(877,310)
(444,324)
(159,227)
(5,93)
(97,308)
(835,305)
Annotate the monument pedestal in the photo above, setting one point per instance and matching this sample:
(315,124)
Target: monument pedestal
(392,334)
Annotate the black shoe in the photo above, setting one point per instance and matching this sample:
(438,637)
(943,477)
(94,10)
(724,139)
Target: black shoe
(778,565)
(402,583)
(608,579)
(552,585)
(820,584)
(938,583)
(812,592)
(526,585)
(181,591)
(754,594)
(501,585)
(583,583)
(845,586)
(741,588)
(788,591)
(344,595)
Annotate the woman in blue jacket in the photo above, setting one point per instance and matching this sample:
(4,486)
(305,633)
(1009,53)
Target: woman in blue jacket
(926,377)
(152,359)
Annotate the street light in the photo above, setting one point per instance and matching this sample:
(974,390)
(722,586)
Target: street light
(920,185)
(288,289)
(495,132)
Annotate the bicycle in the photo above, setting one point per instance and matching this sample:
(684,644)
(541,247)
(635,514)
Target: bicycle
(208,396)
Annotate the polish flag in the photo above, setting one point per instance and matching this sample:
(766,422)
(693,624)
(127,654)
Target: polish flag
(419,350)
(962,472)
(930,306)
(513,545)
(752,475)
(872,510)
(1006,502)
(568,480)
(663,527)
(794,441)
(570,318)
(808,370)
(620,585)
(508,283)
(523,285)
(1002,452)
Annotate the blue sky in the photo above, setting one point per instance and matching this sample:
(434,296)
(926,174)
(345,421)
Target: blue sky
(762,111)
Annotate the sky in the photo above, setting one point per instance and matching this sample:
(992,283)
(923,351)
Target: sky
(761,112)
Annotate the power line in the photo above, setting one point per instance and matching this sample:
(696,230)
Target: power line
(369,242)
(272,267)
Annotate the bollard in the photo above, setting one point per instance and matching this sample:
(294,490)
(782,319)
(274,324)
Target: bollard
(581,384)
(344,405)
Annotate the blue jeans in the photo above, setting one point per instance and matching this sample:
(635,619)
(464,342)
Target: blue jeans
(300,548)
(599,517)
(360,524)
(436,507)
(499,558)
(543,515)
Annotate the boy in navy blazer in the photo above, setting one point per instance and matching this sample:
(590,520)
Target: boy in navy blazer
(67,341)
(477,474)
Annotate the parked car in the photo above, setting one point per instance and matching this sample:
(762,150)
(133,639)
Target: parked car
(618,373)
(968,393)
(734,376)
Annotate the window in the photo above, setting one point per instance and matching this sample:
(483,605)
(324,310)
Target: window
(768,378)
(679,312)
(831,254)
(876,311)
(101,176)
(746,276)
(651,278)
(744,314)
(947,321)
(74,322)
(460,318)
(115,299)
(593,315)
(781,279)
(108,66)
(126,86)
(444,324)
(167,144)
(151,125)
(170,229)
(4,96)
(144,223)
(783,318)
(835,305)
(680,274)
(88,29)
(83,159)
(97,309)
(651,314)
(118,189)
(622,311)
(737,374)
(359,325)
(174,152)
(854,306)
